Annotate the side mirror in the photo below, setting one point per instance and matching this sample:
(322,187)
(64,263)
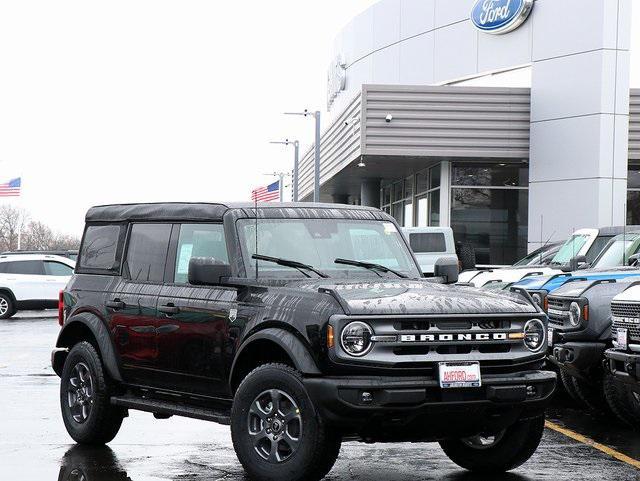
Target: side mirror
(574,264)
(447,269)
(634,260)
(207,271)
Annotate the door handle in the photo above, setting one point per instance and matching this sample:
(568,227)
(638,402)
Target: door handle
(115,304)
(169,309)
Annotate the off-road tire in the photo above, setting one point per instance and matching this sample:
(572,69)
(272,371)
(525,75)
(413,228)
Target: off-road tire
(10,306)
(624,405)
(466,256)
(569,387)
(104,420)
(516,446)
(319,445)
(591,392)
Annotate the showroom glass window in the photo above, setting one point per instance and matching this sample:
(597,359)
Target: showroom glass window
(415,200)
(489,209)
(633,196)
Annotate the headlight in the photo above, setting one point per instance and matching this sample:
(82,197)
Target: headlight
(534,334)
(537,298)
(356,338)
(575,314)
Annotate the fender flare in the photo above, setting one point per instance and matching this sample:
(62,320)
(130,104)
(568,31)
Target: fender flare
(10,293)
(102,337)
(296,350)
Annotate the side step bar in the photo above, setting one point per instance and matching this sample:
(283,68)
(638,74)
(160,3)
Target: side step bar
(157,406)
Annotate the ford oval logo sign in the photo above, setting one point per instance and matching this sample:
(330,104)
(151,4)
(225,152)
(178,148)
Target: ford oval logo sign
(500,16)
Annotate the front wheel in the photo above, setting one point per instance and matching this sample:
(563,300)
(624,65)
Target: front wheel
(276,431)
(624,402)
(497,452)
(7,307)
(85,398)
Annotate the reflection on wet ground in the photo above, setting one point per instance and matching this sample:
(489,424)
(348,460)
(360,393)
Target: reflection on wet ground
(35,446)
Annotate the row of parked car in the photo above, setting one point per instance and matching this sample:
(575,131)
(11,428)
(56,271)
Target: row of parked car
(589,287)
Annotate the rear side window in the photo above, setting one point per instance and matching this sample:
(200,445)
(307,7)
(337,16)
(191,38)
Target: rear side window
(100,249)
(33,268)
(57,269)
(199,240)
(427,242)
(147,252)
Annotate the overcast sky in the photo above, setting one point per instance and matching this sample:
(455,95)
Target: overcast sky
(151,100)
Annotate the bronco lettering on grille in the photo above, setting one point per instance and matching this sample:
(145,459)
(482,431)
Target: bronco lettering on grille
(482,337)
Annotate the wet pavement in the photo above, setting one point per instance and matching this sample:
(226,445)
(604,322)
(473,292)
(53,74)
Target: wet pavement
(35,446)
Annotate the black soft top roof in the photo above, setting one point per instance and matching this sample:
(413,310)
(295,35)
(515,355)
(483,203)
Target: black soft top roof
(187,211)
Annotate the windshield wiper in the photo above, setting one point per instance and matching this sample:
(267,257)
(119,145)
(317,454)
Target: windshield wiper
(370,266)
(289,263)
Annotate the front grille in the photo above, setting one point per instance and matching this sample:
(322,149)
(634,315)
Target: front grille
(625,309)
(626,315)
(558,311)
(632,328)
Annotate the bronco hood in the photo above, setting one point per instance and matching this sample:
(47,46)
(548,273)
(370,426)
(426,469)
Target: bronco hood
(401,297)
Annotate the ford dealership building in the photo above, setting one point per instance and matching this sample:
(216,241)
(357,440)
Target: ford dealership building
(512,121)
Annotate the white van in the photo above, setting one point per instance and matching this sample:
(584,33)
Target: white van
(430,244)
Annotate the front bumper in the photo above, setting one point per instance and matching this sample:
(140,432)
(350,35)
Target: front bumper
(416,408)
(625,366)
(578,357)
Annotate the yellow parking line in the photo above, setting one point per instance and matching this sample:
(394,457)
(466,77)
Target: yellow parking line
(590,442)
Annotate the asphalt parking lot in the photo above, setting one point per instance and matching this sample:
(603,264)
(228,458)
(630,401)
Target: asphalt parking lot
(35,446)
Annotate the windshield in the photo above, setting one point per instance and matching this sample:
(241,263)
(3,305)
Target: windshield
(538,257)
(570,249)
(318,242)
(617,252)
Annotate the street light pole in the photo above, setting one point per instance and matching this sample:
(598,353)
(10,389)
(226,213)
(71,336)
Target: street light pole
(316,184)
(296,161)
(281,176)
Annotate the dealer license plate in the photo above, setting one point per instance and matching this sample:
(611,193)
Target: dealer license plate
(459,374)
(622,337)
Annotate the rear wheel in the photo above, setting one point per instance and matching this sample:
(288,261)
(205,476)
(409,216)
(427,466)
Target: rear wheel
(276,431)
(85,393)
(497,452)
(624,403)
(7,306)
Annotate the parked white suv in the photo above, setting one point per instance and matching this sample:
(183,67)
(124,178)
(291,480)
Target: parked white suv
(431,244)
(32,281)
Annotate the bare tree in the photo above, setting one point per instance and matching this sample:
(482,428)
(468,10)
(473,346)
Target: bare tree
(12,220)
(65,242)
(37,237)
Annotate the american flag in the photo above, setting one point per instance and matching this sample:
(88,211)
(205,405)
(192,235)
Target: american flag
(11,188)
(266,194)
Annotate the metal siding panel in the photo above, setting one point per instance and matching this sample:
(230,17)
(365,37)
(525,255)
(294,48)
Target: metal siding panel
(339,145)
(447,121)
(634,125)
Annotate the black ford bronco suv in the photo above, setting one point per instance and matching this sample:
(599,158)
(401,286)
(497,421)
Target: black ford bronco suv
(300,325)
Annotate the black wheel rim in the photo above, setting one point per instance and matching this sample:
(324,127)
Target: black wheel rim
(80,393)
(275,426)
(483,441)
